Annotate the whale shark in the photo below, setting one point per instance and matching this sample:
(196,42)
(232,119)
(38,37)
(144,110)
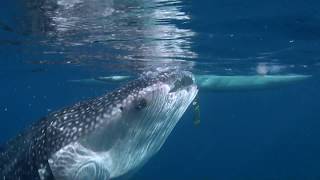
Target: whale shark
(214,83)
(102,138)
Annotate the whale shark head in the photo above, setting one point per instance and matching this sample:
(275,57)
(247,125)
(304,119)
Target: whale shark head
(124,128)
(105,137)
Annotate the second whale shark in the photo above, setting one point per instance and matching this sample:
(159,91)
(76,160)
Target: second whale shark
(217,83)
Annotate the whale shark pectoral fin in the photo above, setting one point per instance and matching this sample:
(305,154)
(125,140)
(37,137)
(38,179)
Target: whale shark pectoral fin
(75,162)
(92,170)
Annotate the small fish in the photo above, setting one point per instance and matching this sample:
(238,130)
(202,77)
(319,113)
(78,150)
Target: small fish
(196,107)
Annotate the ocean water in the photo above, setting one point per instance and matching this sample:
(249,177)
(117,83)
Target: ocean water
(270,133)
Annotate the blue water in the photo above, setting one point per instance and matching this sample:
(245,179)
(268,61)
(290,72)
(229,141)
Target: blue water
(266,134)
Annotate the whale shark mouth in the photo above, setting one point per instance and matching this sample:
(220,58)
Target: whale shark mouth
(131,126)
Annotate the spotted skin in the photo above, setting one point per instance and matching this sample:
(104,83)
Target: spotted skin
(26,156)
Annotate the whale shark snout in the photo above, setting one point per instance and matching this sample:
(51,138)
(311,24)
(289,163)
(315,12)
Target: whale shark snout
(103,138)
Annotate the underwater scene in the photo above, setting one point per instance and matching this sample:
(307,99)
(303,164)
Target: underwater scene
(159,90)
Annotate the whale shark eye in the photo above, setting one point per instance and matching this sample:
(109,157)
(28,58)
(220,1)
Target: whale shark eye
(141,103)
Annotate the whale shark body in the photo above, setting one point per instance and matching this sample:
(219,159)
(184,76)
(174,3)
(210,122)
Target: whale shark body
(103,138)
